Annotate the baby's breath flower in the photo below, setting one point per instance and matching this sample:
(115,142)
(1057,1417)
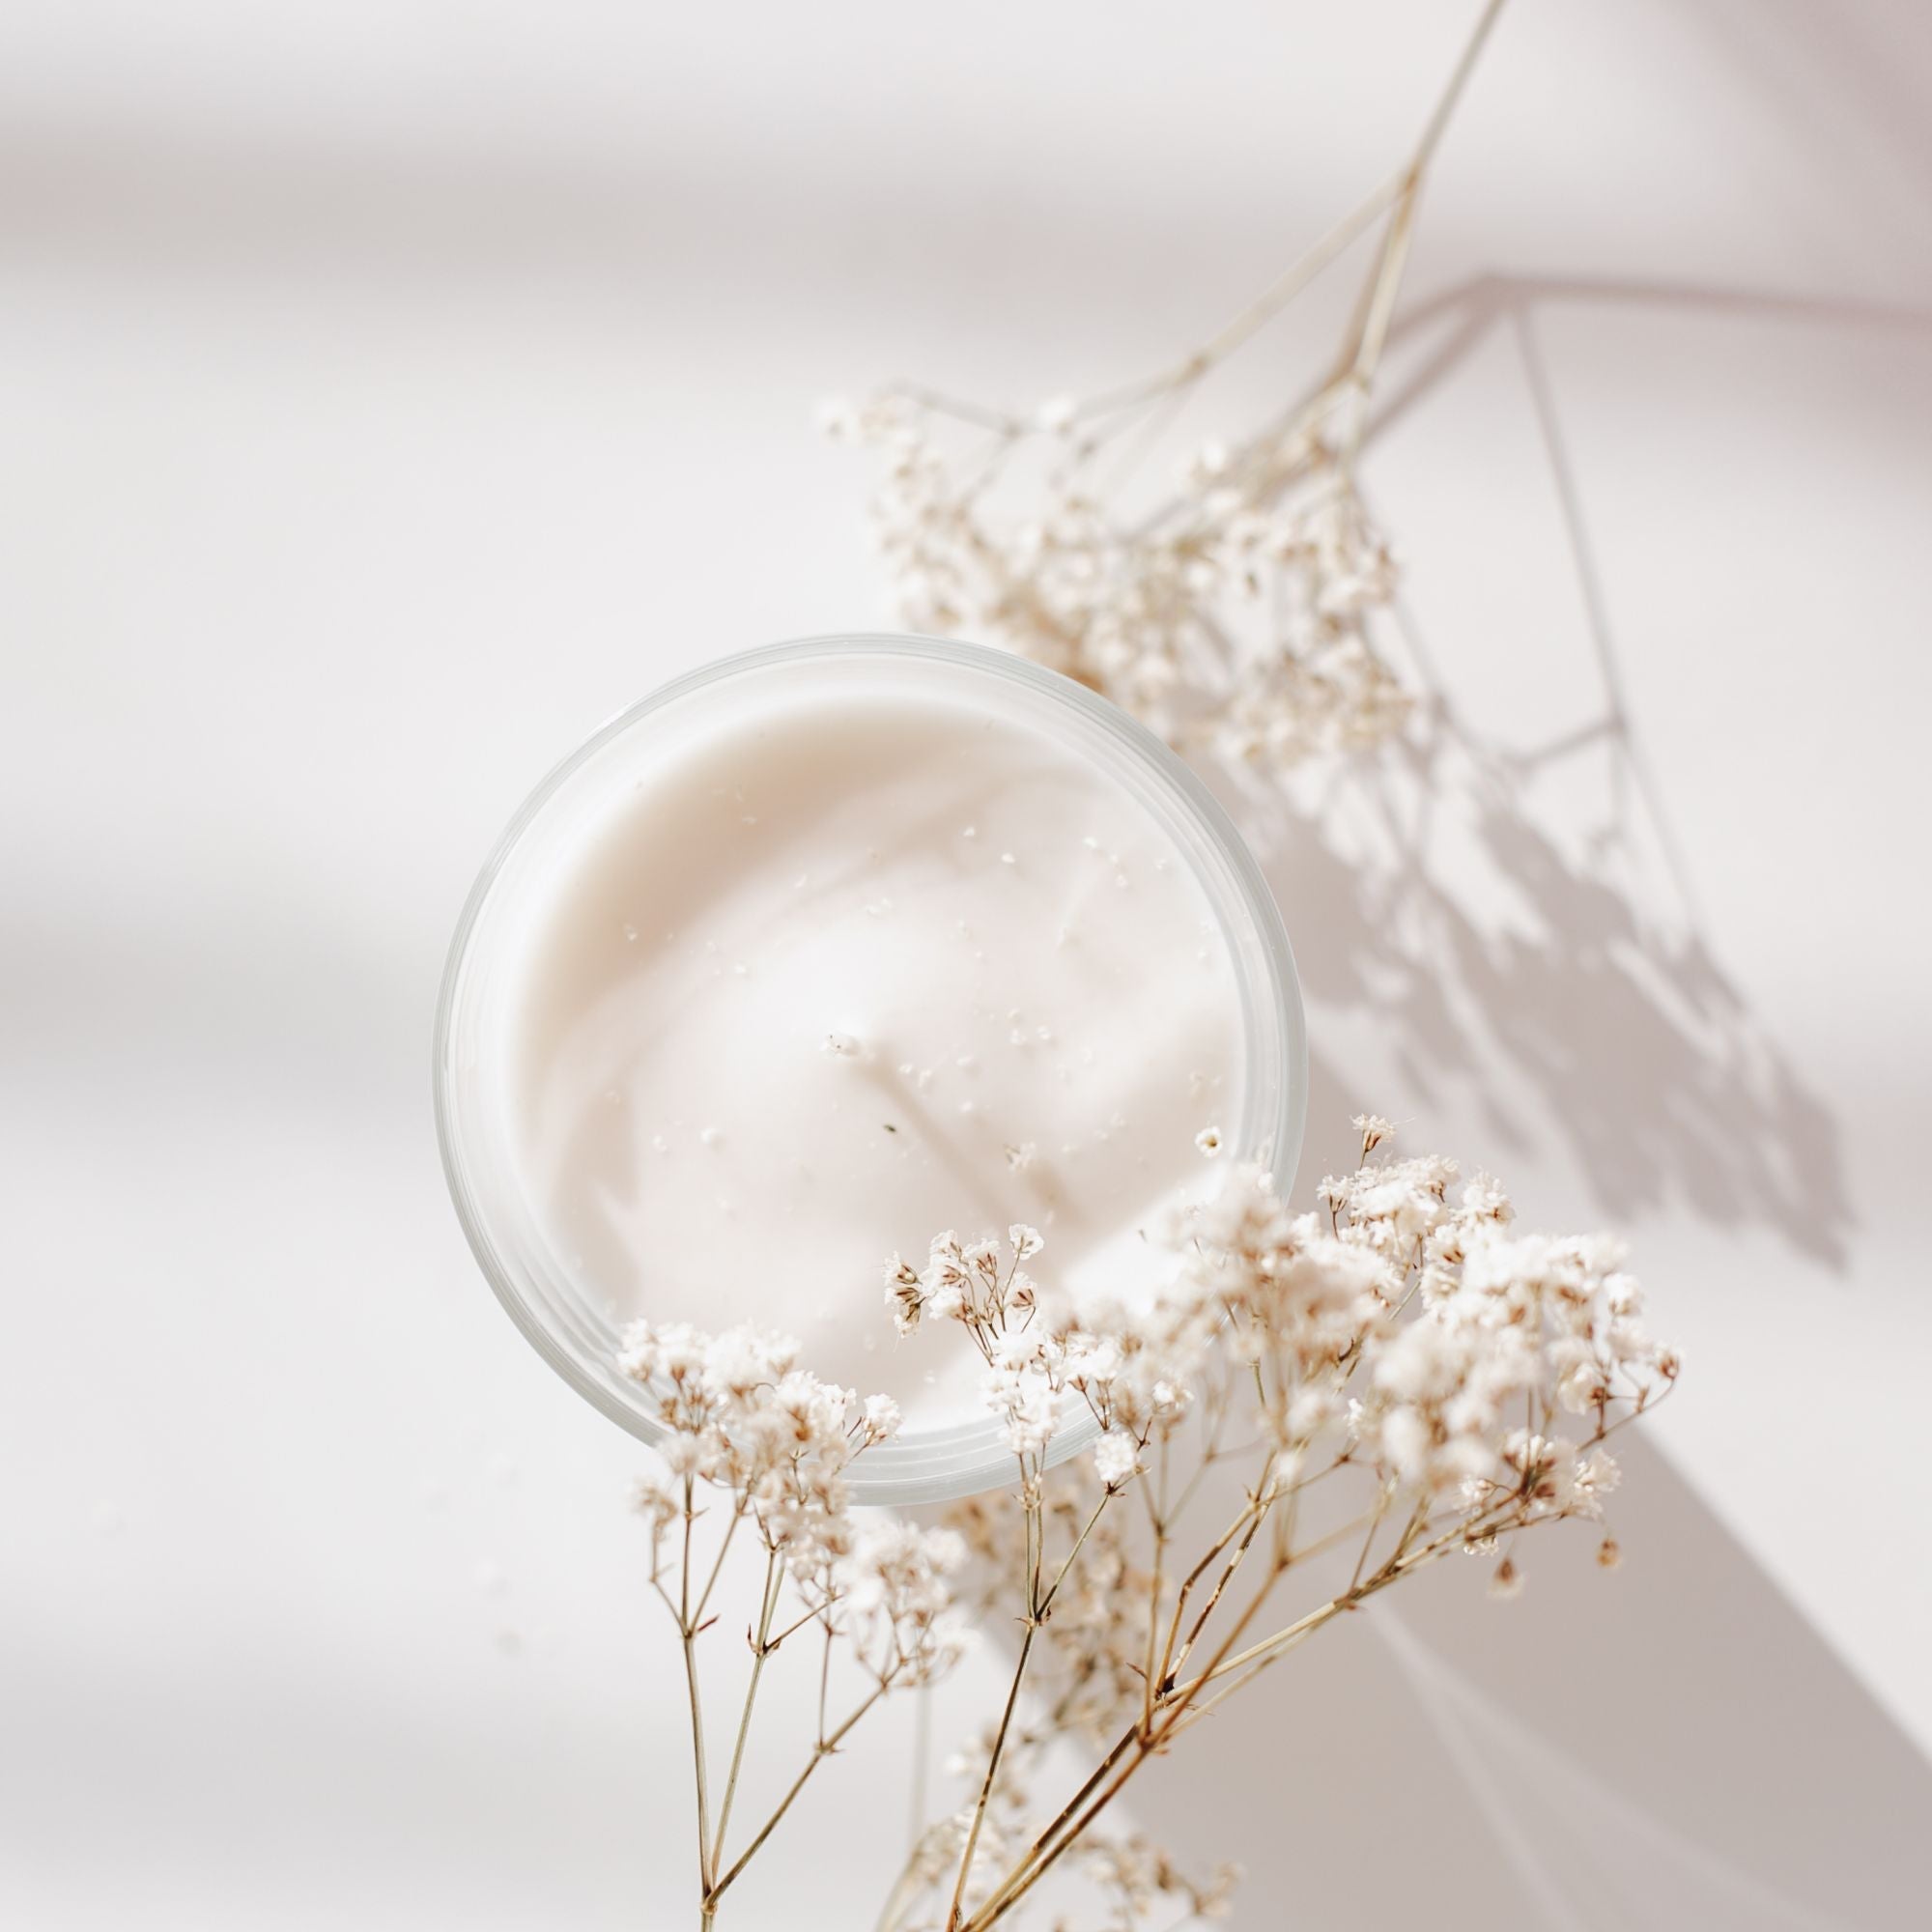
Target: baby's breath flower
(905,1296)
(897,1600)
(1116,1457)
(653,1498)
(737,1413)
(1027,1405)
(880,1419)
(1269,544)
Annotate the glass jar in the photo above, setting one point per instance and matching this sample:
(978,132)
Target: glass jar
(579,1340)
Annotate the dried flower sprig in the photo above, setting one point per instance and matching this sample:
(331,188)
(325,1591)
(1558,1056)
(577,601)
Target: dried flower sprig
(1461,1377)
(1237,616)
(740,1416)
(1366,1389)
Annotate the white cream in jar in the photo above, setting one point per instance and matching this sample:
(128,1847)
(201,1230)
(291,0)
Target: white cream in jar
(823,950)
(839,971)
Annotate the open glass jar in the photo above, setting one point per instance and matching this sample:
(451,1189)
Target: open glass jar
(545,1280)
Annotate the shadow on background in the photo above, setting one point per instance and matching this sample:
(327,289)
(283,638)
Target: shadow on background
(1668,1746)
(1639,1053)
(1489,949)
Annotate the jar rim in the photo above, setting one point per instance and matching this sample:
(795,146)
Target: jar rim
(927,1463)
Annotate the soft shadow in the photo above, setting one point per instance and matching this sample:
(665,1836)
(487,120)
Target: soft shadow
(1688,1753)
(1561,979)
(1847,82)
(1425,898)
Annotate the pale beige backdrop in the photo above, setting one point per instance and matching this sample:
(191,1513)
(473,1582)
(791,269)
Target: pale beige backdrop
(391,391)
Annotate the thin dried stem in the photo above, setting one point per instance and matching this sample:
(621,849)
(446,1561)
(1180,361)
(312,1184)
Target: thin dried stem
(1276,296)
(760,1650)
(688,1642)
(823,1749)
(953,1911)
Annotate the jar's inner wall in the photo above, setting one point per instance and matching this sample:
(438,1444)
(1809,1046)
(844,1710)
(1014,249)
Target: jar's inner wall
(804,970)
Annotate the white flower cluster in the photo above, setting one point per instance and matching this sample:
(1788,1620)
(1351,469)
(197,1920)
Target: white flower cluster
(1407,1331)
(1123,1369)
(1504,1325)
(1425,1331)
(738,1413)
(971,1285)
(899,1600)
(1237,617)
(1404,1341)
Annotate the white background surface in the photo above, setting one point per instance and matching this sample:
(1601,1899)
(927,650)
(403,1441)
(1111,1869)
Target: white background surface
(390,393)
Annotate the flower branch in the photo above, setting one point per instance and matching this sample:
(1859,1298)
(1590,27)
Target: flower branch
(1237,616)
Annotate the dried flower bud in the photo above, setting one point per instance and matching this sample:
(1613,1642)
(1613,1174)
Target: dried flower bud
(880,1419)
(1116,1459)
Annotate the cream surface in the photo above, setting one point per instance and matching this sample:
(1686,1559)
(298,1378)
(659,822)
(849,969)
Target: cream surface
(841,973)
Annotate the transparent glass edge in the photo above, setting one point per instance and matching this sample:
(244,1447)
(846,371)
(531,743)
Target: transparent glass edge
(963,1459)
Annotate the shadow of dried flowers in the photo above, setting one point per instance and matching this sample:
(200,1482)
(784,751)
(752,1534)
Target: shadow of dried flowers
(1423,894)
(1552,965)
